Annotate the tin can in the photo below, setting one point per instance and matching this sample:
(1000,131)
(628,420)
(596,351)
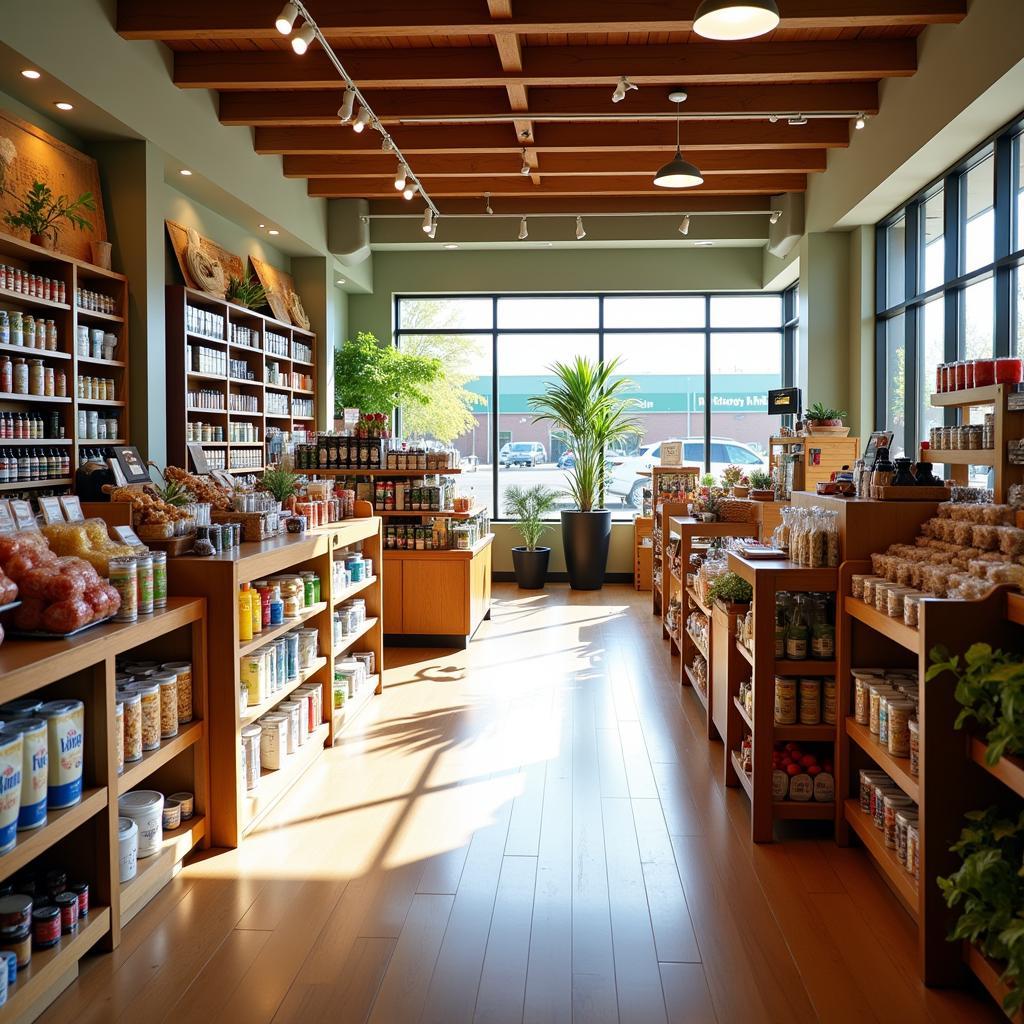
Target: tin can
(67,904)
(810,701)
(149,694)
(159,579)
(81,890)
(124,579)
(829,701)
(144,580)
(34,772)
(785,701)
(273,740)
(251,755)
(65,734)
(45,927)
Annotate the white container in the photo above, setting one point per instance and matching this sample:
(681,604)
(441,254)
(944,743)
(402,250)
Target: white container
(273,741)
(34,772)
(187,801)
(10,787)
(127,848)
(253,675)
(65,733)
(251,735)
(146,808)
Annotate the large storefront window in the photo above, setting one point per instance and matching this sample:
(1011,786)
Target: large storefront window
(702,365)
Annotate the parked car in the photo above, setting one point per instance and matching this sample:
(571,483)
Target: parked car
(627,484)
(526,453)
(567,460)
(503,453)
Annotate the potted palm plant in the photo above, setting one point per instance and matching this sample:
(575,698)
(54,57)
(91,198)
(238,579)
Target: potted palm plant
(586,405)
(528,506)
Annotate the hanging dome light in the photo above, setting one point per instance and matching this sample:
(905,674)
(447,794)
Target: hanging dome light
(735,19)
(678,173)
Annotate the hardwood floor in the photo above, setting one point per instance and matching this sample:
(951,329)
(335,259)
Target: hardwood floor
(533,830)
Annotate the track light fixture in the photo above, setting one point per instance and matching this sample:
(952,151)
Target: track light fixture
(302,39)
(678,173)
(624,86)
(775,217)
(362,120)
(526,168)
(860,123)
(524,231)
(286,19)
(401,175)
(487,204)
(581,232)
(797,122)
(773,118)
(684,225)
(411,188)
(431,234)
(735,19)
(428,220)
(348,104)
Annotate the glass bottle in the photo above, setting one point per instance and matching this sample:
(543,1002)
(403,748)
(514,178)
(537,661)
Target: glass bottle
(798,630)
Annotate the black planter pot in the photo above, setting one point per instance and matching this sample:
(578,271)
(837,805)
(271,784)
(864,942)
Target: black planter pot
(585,537)
(531,567)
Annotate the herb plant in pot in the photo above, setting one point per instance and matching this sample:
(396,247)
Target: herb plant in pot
(585,403)
(761,488)
(730,589)
(528,506)
(822,420)
(40,213)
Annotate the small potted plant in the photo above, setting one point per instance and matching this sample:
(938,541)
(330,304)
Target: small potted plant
(823,420)
(247,292)
(733,479)
(528,506)
(730,589)
(280,482)
(40,213)
(761,488)
(707,507)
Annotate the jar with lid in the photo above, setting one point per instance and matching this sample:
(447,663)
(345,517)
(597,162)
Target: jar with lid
(51,335)
(29,330)
(5,328)
(20,377)
(883,471)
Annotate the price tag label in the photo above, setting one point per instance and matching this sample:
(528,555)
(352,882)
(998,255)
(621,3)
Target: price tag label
(6,517)
(51,510)
(198,455)
(24,518)
(128,536)
(72,508)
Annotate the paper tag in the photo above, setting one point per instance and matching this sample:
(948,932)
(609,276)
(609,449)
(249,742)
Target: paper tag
(128,536)
(51,510)
(198,455)
(6,517)
(72,508)
(24,518)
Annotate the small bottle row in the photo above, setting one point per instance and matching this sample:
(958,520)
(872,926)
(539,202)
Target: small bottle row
(245,336)
(32,377)
(35,286)
(302,407)
(197,430)
(238,369)
(285,379)
(277,404)
(206,398)
(247,458)
(243,403)
(18,328)
(30,426)
(202,321)
(201,359)
(98,389)
(20,465)
(96,426)
(276,344)
(95,302)
(304,353)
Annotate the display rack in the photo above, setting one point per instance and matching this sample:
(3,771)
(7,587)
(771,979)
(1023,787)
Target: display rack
(1008,426)
(643,552)
(291,420)
(818,456)
(433,598)
(769,578)
(236,810)
(86,834)
(68,316)
(662,510)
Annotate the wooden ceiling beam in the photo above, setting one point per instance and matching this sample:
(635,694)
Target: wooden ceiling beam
(671,205)
(318,107)
(485,165)
(567,138)
(353,19)
(740,184)
(473,67)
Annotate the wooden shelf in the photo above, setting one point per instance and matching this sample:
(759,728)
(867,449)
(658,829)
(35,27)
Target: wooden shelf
(275,631)
(386,472)
(978,457)
(110,364)
(45,441)
(748,656)
(443,514)
(397,554)
(254,711)
(153,873)
(34,353)
(700,649)
(9,396)
(135,772)
(700,694)
(1009,770)
(1015,608)
(738,704)
(989,973)
(969,396)
(350,592)
(810,667)
(59,824)
(201,375)
(94,314)
(692,594)
(794,810)
(894,629)
(106,402)
(206,412)
(346,642)
(23,485)
(898,768)
(207,338)
(346,715)
(823,733)
(21,299)
(900,880)
(745,780)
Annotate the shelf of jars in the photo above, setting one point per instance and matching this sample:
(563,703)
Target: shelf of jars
(63,352)
(670,488)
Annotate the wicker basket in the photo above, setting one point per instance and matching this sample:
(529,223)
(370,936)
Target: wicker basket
(737,510)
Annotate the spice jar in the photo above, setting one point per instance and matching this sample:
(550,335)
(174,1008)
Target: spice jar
(914,734)
(20,377)
(45,927)
(149,693)
(132,701)
(899,714)
(168,682)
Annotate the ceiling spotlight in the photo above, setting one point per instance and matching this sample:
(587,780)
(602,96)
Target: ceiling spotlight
(386,144)
(348,103)
(432,233)
(302,39)
(624,86)
(773,118)
(362,120)
(273,231)
(451,245)
(30,73)
(735,19)
(401,175)
(526,168)
(63,105)
(581,232)
(186,173)
(487,204)
(523,230)
(286,19)
(678,173)
(684,225)
(428,220)
(340,280)
(775,217)
(262,225)
(797,122)
(411,188)
(860,123)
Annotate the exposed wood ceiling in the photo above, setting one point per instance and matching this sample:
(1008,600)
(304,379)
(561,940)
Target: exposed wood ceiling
(469,88)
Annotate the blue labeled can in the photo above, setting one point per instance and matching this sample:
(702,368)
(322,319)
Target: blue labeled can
(10,787)
(292,656)
(34,772)
(65,724)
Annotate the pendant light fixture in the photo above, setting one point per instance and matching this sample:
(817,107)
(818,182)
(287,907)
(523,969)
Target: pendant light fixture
(735,19)
(678,173)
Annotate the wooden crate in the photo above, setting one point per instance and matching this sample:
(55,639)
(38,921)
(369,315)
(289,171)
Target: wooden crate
(643,554)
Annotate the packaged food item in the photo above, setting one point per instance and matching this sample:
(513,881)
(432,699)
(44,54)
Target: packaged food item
(168,683)
(149,694)
(131,700)
(65,735)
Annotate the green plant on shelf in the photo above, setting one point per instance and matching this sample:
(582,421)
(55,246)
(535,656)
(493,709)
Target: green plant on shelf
(730,588)
(246,291)
(40,213)
(281,483)
(731,476)
(825,415)
(760,480)
(989,886)
(990,686)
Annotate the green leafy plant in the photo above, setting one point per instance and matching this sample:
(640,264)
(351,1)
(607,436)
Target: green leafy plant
(819,412)
(760,480)
(246,291)
(174,493)
(731,476)
(707,505)
(41,212)
(281,483)
(528,506)
(991,689)
(989,885)
(730,588)
(707,480)
(586,403)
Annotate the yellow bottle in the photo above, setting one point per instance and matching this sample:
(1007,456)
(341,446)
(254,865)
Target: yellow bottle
(245,613)
(257,611)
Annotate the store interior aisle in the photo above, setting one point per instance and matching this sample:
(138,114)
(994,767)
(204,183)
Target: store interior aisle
(530,830)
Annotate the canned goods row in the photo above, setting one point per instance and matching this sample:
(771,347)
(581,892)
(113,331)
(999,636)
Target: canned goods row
(268,742)
(141,580)
(351,674)
(143,816)
(152,701)
(810,701)
(887,703)
(35,286)
(268,670)
(96,302)
(970,437)
(349,619)
(895,815)
(202,321)
(353,568)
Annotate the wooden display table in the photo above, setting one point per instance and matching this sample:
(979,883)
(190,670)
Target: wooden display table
(235,810)
(84,836)
(820,455)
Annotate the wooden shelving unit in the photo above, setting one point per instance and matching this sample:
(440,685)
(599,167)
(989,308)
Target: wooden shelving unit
(181,379)
(768,578)
(643,553)
(86,833)
(234,811)
(663,507)
(67,316)
(819,456)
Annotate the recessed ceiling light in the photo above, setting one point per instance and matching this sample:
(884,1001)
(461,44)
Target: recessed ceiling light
(451,245)
(273,231)
(341,280)
(703,245)
(185,172)
(63,105)
(31,73)
(261,225)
